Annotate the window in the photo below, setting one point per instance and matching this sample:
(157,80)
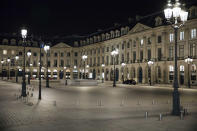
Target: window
(141,42)
(42,54)
(127,57)
(62,54)
(122,58)
(171,72)
(55,63)
(107,62)
(98,50)
(149,54)
(134,43)
(159,54)
(20,53)
(149,40)
(75,62)
(62,63)
(12,52)
(182,35)
(103,50)
(193,33)
(128,45)
(5,52)
(181,51)
(141,55)
(98,60)
(112,48)
(117,46)
(55,54)
(68,54)
(159,72)
(171,52)
(171,37)
(192,49)
(159,39)
(123,46)
(181,67)
(35,54)
(193,72)
(76,54)
(134,56)
(107,49)
(103,59)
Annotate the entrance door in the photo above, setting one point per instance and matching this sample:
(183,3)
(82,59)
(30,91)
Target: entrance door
(181,78)
(140,75)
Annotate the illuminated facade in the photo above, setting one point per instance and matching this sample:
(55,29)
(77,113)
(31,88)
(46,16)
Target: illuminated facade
(138,42)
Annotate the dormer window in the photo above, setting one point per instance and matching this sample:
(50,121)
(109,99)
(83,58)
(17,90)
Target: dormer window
(158,21)
(112,34)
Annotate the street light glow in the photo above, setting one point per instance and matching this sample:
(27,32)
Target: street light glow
(24,33)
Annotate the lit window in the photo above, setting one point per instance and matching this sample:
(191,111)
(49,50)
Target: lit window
(171,37)
(5,52)
(193,33)
(182,35)
(171,68)
(182,68)
(142,42)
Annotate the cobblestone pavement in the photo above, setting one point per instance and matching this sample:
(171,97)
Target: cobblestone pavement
(97,108)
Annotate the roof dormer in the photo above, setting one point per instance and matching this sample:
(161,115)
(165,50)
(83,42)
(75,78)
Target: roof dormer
(158,21)
(193,12)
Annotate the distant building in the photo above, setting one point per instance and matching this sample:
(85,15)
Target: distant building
(138,42)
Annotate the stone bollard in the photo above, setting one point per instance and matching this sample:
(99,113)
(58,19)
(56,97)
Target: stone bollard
(160,117)
(138,102)
(54,103)
(146,115)
(153,102)
(181,115)
(77,102)
(122,102)
(99,102)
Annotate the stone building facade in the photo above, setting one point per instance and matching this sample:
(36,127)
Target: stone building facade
(137,42)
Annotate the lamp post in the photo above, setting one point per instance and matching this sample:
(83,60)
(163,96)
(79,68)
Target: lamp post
(176,17)
(84,57)
(149,70)
(188,61)
(29,54)
(103,65)
(16,57)
(8,60)
(123,65)
(46,49)
(24,35)
(114,53)
(2,61)
(40,66)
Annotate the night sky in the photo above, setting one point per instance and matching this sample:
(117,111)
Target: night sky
(68,17)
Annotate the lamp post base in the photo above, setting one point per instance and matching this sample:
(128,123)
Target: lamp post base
(24,89)
(176,103)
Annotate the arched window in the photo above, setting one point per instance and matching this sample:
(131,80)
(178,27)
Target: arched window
(181,67)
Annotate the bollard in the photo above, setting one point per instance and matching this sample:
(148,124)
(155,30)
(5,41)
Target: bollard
(77,102)
(138,102)
(146,115)
(160,117)
(54,103)
(181,117)
(153,102)
(122,103)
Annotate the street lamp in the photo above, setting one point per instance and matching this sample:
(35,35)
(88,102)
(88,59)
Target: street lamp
(103,65)
(29,54)
(46,49)
(123,65)
(84,57)
(16,57)
(188,61)
(8,60)
(149,70)
(24,35)
(176,17)
(114,53)
(2,61)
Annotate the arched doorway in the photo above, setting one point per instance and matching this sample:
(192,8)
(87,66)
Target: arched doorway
(61,74)
(94,74)
(140,74)
(181,74)
(107,75)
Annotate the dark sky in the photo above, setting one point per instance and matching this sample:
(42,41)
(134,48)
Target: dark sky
(71,16)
